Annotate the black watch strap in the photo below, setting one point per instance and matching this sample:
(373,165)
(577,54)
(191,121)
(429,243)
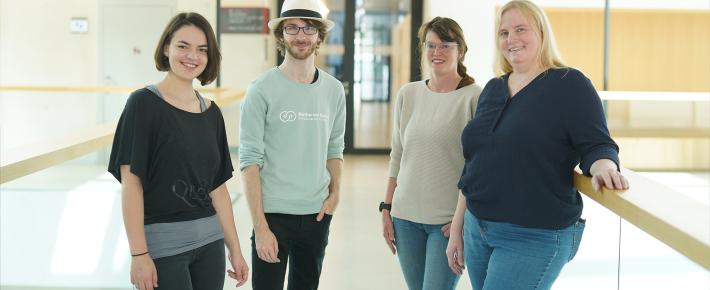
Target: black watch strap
(387,206)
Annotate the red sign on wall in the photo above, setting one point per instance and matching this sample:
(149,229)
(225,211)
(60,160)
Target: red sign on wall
(244,20)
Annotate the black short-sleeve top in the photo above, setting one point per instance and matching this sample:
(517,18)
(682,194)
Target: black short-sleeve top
(179,156)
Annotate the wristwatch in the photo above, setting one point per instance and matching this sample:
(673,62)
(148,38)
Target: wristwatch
(387,206)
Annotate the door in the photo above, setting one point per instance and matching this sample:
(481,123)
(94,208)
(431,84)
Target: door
(382,61)
(129,32)
(369,51)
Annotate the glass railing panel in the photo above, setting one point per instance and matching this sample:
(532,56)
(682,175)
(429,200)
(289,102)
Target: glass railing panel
(60,227)
(646,262)
(596,263)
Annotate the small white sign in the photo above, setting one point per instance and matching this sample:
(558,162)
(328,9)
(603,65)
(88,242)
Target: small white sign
(79,25)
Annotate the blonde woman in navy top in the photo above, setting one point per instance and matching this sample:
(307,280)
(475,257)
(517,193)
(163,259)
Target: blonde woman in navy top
(518,220)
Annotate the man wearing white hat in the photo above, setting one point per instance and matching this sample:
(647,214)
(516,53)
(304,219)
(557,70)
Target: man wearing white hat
(290,153)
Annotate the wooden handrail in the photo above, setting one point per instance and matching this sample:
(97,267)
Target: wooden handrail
(227,96)
(692,133)
(221,95)
(673,218)
(31,158)
(90,89)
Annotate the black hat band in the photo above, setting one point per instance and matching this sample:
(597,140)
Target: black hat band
(301,13)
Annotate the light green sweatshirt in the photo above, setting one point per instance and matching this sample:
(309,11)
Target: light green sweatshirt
(290,130)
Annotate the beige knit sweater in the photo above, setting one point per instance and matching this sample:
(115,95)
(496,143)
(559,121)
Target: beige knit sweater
(426,155)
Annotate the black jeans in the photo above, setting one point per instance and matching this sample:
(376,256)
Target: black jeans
(199,269)
(302,241)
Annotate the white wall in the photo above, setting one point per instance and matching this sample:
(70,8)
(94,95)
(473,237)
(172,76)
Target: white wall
(244,58)
(38,49)
(476,19)
(46,241)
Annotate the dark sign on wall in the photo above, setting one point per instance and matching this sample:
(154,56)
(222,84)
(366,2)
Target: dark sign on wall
(244,20)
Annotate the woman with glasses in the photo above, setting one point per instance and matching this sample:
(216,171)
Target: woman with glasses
(521,215)
(426,160)
(170,154)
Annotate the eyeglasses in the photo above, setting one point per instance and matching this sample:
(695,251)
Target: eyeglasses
(307,30)
(444,46)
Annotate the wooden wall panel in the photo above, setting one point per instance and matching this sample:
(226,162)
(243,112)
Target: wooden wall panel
(401,53)
(580,39)
(650,50)
(660,51)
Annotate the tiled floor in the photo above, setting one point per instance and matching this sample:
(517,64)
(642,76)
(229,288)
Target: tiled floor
(62,229)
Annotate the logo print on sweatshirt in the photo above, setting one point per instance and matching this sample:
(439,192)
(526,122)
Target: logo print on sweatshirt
(287,116)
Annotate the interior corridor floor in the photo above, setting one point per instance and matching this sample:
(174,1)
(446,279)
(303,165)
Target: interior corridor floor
(62,229)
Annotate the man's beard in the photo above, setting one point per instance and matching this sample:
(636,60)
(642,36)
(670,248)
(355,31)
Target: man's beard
(295,53)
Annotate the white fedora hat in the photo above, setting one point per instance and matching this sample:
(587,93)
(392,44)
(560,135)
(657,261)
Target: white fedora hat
(307,9)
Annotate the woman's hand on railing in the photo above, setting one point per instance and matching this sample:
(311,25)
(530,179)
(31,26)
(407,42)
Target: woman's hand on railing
(605,173)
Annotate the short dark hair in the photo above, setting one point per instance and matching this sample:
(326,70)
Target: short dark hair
(279,34)
(214,57)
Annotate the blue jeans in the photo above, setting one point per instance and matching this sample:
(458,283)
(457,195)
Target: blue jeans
(421,249)
(504,256)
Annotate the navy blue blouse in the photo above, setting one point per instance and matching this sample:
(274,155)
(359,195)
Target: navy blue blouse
(520,152)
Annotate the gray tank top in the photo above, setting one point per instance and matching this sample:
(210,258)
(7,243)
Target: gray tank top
(203,104)
(169,239)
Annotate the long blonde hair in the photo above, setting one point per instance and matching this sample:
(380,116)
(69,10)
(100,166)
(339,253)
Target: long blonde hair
(548,54)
